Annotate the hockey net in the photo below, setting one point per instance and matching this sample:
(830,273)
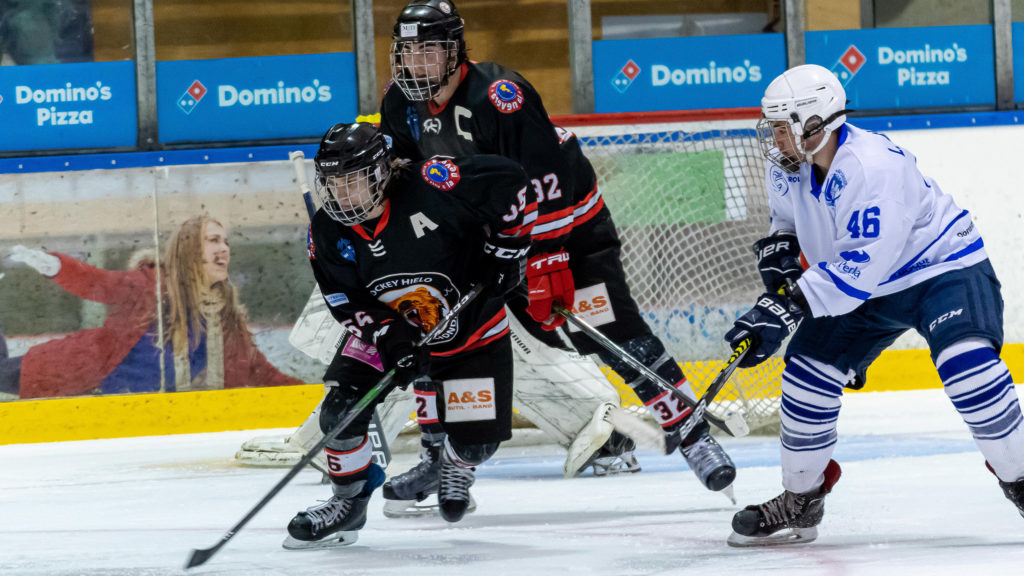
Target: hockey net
(687,194)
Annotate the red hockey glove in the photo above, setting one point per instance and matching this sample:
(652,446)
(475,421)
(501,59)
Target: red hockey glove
(549,280)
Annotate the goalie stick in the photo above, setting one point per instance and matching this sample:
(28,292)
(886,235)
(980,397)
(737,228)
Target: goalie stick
(733,424)
(318,318)
(199,557)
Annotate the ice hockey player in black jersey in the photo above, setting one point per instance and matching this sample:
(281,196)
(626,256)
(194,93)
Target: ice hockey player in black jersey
(393,247)
(441,103)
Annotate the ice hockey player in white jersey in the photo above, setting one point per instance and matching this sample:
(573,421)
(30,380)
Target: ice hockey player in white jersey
(886,251)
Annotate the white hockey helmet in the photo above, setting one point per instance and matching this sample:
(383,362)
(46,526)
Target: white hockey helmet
(810,100)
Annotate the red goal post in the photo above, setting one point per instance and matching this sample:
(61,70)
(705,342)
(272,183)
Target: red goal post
(686,190)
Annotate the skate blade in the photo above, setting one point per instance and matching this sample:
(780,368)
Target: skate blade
(336,540)
(413,509)
(729,493)
(781,538)
(619,467)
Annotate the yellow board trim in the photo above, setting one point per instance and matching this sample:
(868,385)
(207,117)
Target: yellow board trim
(93,417)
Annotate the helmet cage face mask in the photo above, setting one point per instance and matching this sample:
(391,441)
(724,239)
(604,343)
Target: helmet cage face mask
(351,197)
(421,67)
(810,101)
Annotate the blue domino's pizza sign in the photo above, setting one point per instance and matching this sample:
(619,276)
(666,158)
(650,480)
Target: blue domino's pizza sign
(254,98)
(89,105)
(685,73)
(909,67)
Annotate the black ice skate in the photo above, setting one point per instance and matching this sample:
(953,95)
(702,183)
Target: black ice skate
(337,521)
(1014,491)
(709,462)
(786,519)
(615,456)
(404,493)
(453,495)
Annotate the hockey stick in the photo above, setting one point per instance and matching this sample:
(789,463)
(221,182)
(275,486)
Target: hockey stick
(200,556)
(316,323)
(733,424)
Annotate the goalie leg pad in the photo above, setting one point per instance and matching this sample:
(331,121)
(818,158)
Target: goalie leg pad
(286,451)
(558,391)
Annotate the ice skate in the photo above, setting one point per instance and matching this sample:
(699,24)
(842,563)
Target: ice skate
(404,494)
(1014,493)
(616,456)
(786,519)
(337,521)
(710,463)
(599,445)
(453,494)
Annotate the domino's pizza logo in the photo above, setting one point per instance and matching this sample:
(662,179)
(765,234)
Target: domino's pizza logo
(440,173)
(190,99)
(851,61)
(506,96)
(624,79)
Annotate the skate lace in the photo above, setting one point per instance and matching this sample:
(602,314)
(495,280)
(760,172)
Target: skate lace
(782,509)
(705,456)
(327,513)
(455,482)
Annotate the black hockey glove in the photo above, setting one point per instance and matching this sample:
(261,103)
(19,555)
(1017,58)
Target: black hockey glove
(396,343)
(503,265)
(768,323)
(778,260)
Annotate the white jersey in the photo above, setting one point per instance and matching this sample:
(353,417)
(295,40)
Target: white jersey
(874,227)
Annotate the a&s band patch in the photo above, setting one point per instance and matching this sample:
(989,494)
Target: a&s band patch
(506,96)
(441,173)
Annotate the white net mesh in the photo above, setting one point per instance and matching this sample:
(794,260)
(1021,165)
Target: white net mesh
(689,201)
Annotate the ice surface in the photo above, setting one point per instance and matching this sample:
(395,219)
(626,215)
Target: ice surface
(914,499)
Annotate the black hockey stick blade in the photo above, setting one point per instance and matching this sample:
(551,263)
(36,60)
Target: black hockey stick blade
(201,556)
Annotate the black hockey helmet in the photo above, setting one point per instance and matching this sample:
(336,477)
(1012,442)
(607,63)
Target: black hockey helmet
(353,166)
(427,47)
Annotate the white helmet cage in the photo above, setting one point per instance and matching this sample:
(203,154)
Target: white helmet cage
(427,48)
(353,167)
(420,69)
(351,198)
(810,100)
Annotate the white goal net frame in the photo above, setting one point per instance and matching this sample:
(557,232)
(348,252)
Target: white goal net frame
(687,193)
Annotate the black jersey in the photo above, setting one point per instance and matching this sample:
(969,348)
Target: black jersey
(416,260)
(495,111)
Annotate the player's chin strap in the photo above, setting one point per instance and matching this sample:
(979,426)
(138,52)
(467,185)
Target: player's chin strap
(199,557)
(733,424)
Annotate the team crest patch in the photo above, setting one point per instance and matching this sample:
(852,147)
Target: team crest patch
(441,173)
(506,96)
(310,247)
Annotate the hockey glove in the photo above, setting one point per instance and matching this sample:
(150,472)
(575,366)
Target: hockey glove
(768,323)
(549,281)
(503,265)
(396,343)
(778,260)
